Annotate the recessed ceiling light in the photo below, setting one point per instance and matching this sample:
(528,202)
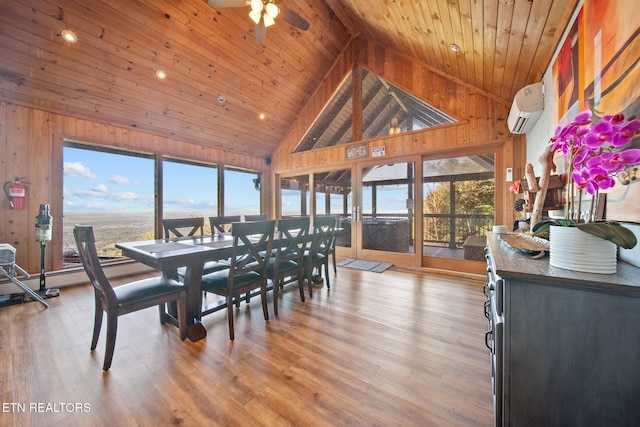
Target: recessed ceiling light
(454,47)
(69,36)
(262,116)
(161,74)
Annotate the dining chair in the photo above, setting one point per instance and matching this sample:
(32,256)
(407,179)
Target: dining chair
(286,265)
(249,218)
(126,298)
(222,224)
(332,248)
(317,254)
(182,227)
(252,244)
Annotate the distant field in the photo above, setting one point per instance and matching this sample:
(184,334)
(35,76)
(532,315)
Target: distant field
(109,228)
(113,227)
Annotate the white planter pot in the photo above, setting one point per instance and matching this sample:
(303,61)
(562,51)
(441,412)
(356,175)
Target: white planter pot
(573,249)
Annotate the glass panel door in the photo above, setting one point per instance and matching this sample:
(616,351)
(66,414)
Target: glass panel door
(333,196)
(294,196)
(457,203)
(387,212)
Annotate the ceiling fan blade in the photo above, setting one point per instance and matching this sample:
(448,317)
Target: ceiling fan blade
(294,19)
(227,3)
(261,31)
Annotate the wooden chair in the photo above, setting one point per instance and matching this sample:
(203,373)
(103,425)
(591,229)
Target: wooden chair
(181,227)
(222,224)
(125,298)
(317,254)
(249,218)
(332,248)
(252,243)
(287,262)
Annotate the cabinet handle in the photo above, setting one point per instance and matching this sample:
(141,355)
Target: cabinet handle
(490,285)
(486,340)
(487,309)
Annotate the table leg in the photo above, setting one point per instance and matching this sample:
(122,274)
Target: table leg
(192,279)
(196,332)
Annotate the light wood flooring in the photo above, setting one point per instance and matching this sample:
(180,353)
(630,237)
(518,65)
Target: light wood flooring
(401,348)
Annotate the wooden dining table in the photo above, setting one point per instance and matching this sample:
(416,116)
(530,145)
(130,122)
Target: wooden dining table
(167,255)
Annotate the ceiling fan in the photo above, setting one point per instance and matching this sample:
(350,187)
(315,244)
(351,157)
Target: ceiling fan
(264,13)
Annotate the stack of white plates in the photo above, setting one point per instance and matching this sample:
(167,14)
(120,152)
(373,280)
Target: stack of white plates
(500,229)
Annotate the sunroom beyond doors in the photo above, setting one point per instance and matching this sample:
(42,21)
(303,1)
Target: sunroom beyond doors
(386,110)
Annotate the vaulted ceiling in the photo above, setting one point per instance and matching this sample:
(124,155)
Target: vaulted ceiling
(220,79)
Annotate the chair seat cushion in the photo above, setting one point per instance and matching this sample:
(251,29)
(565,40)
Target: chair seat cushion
(283,267)
(217,282)
(209,267)
(314,258)
(146,289)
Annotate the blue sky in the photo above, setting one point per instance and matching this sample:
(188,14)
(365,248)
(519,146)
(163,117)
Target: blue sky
(97,181)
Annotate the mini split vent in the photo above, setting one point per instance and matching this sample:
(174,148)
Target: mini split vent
(526,108)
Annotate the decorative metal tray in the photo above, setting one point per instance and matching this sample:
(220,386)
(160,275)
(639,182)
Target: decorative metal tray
(525,243)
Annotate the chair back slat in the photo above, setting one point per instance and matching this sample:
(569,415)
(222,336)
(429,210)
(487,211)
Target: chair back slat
(222,224)
(293,235)
(86,243)
(323,234)
(251,218)
(252,244)
(182,227)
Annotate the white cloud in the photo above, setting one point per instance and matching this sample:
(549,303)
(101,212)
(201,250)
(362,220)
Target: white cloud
(101,188)
(125,196)
(77,169)
(120,180)
(92,193)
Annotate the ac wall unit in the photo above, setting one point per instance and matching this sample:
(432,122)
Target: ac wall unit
(526,108)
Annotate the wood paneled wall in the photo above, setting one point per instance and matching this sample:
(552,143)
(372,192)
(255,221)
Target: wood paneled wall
(482,121)
(31,142)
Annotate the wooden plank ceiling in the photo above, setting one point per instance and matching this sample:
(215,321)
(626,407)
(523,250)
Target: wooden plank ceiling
(109,74)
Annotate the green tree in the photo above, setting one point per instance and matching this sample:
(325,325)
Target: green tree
(437,201)
(471,198)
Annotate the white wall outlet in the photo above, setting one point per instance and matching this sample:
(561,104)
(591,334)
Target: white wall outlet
(509,174)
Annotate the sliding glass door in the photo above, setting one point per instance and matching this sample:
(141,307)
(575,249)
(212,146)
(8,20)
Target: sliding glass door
(405,212)
(458,199)
(387,207)
(375,212)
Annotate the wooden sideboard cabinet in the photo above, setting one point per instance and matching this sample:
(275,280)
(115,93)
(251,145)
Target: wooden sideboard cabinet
(565,346)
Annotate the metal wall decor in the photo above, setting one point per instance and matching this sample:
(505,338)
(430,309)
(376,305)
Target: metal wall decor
(357,151)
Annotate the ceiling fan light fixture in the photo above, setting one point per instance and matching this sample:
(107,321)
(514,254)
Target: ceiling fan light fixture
(255,16)
(256,5)
(272,10)
(268,20)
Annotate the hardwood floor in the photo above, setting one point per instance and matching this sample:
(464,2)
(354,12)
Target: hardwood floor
(400,348)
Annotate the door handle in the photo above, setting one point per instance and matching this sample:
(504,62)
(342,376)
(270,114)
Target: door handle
(356,214)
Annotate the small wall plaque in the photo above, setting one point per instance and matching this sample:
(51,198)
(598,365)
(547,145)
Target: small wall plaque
(378,151)
(357,151)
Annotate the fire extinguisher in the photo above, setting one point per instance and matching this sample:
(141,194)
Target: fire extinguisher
(16,193)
